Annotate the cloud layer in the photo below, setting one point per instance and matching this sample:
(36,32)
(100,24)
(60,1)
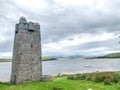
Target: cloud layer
(68,27)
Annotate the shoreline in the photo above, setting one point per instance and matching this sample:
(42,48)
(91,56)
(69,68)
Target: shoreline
(9,60)
(67,70)
(68,73)
(85,71)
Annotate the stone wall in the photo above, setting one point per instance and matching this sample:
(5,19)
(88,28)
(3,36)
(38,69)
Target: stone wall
(26,64)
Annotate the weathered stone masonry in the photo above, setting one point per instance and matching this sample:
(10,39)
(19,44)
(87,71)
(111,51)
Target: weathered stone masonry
(26,63)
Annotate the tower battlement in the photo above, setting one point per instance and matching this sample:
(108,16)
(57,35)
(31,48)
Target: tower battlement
(24,25)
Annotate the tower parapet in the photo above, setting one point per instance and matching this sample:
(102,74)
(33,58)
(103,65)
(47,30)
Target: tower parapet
(24,25)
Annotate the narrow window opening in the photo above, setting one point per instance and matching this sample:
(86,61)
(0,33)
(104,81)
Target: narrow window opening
(14,81)
(16,31)
(30,30)
(31,45)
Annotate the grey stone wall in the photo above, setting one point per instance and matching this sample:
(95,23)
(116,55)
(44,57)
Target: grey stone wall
(26,63)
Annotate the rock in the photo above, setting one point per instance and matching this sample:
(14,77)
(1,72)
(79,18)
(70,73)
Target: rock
(46,78)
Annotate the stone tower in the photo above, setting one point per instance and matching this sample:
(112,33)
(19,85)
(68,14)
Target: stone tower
(26,63)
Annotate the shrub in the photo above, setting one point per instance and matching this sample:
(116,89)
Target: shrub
(99,78)
(107,81)
(116,79)
(88,78)
(106,77)
(57,88)
(82,77)
(77,77)
(70,77)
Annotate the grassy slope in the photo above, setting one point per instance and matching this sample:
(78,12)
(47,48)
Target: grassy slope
(61,83)
(43,59)
(5,60)
(113,55)
(48,59)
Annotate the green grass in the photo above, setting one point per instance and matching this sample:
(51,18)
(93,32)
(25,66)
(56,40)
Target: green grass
(5,60)
(113,55)
(48,59)
(105,77)
(43,59)
(61,83)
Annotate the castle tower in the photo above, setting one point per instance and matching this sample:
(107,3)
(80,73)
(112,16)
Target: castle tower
(26,63)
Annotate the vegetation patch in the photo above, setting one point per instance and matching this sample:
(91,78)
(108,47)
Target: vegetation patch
(75,82)
(112,55)
(106,77)
(5,60)
(48,59)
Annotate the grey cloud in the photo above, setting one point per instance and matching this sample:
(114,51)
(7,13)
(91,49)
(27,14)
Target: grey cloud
(71,22)
(56,25)
(111,44)
(6,46)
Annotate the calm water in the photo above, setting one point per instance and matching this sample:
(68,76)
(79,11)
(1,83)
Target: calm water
(68,67)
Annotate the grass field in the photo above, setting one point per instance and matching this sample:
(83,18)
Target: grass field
(48,59)
(43,59)
(113,55)
(62,83)
(5,60)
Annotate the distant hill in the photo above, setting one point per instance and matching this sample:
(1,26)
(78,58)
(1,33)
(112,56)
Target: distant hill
(64,56)
(48,59)
(111,55)
(5,60)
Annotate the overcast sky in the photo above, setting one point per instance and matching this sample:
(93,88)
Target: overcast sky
(68,27)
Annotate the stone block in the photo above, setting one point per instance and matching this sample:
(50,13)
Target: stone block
(46,78)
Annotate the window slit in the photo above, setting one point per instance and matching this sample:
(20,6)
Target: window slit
(31,45)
